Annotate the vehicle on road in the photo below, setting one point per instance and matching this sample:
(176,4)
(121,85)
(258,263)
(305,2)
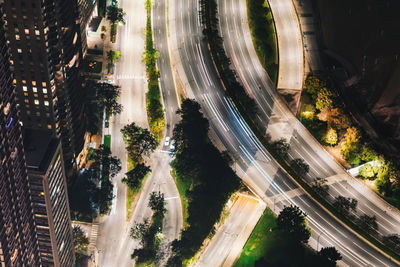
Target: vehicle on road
(172,146)
(166,142)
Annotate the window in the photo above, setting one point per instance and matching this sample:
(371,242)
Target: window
(44,91)
(24,81)
(37,113)
(25,94)
(11,62)
(44,84)
(48,126)
(35,95)
(34,89)
(24,88)
(37,32)
(14,81)
(46,103)
(37,102)
(26,31)
(33,82)
(17,37)
(26,101)
(19,50)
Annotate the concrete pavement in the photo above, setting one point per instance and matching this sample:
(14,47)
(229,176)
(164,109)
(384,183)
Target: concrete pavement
(227,244)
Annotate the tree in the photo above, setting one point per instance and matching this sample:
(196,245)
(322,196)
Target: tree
(324,99)
(281,147)
(320,187)
(113,56)
(367,171)
(291,220)
(313,85)
(368,154)
(115,14)
(330,254)
(331,137)
(157,202)
(392,241)
(135,176)
(338,120)
(299,166)
(81,242)
(351,137)
(139,230)
(139,141)
(106,96)
(111,165)
(368,222)
(344,204)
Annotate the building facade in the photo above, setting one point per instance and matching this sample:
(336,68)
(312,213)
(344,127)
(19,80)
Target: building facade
(87,8)
(18,236)
(45,45)
(49,197)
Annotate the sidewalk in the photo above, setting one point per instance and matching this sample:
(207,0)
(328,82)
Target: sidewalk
(309,30)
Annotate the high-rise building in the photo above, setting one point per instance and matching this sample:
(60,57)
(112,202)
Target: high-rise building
(45,45)
(18,237)
(49,197)
(86,10)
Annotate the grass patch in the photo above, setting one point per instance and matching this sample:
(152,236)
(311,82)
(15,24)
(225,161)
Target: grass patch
(113,32)
(260,240)
(183,186)
(130,198)
(263,35)
(107,140)
(154,107)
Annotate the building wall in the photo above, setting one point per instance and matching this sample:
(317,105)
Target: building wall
(46,50)
(51,202)
(18,237)
(86,9)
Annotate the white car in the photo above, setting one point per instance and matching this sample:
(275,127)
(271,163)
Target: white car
(172,146)
(166,142)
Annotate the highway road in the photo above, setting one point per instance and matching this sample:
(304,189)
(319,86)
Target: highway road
(114,243)
(227,244)
(254,162)
(275,118)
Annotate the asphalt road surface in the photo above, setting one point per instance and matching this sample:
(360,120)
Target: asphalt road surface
(279,121)
(227,244)
(114,243)
(254,162)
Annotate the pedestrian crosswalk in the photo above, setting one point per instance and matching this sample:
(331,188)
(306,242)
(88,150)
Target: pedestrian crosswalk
(93,236)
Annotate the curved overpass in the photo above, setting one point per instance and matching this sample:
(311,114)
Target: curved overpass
(196,75)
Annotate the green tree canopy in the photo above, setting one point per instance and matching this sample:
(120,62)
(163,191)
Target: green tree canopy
(115,14)
(139,141)
(368,222)
(331,255)
(291,220)
(313,85)
(135,176)
(81,242)
(367,171)
(324,99)
(157,202)
(281,147)
(344,204)
(331,136)
(299,166)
